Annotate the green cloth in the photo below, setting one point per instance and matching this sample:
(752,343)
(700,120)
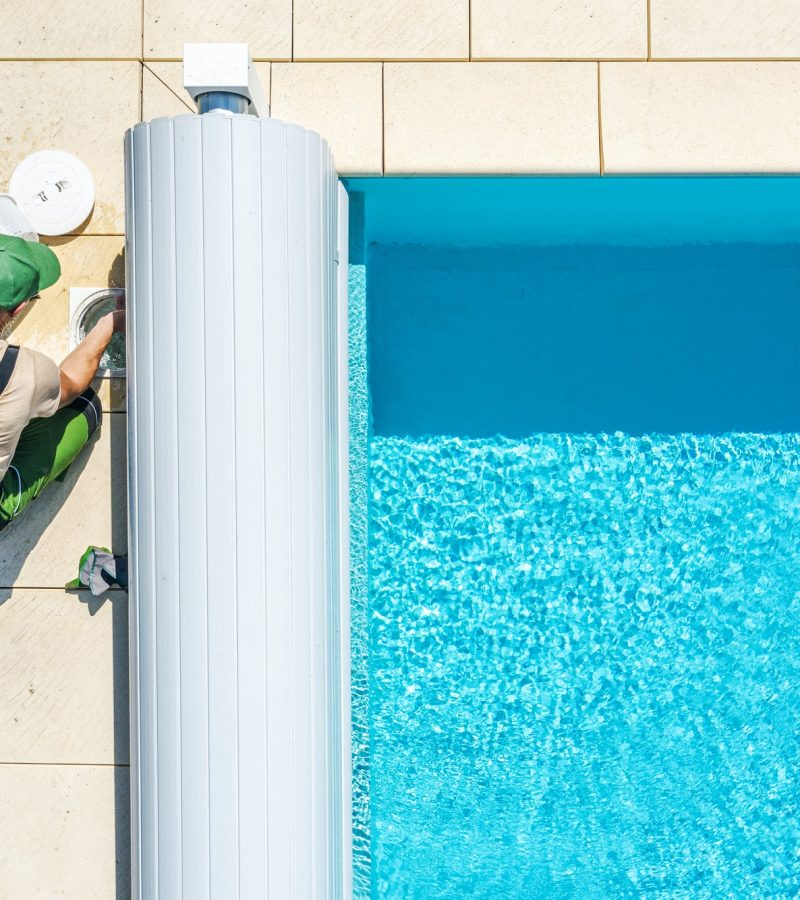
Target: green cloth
(45,450)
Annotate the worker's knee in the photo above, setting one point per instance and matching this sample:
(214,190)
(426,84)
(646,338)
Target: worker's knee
(88,405)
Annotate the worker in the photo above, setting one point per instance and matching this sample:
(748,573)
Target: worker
(47,412)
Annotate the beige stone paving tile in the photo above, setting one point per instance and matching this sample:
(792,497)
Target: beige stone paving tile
(548,29)
(341,101)
(381,29)
(701,117)
(63,677)
(80,28)
(164,94)
(159,100)
(265,25)
(510,118)
(81,107)
(64,832)
(113,393)
(42,547)
(725,28)
(86,261)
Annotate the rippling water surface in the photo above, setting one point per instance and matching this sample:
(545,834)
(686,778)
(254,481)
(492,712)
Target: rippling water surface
(584,667)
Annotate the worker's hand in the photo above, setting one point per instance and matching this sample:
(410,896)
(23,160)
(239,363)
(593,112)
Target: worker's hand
(110,324)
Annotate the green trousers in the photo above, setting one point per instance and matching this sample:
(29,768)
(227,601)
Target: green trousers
(45,450)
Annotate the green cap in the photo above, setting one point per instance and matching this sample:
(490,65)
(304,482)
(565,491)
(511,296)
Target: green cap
(26,267)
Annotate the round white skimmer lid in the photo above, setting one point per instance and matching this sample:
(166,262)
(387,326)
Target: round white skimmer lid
(54,191)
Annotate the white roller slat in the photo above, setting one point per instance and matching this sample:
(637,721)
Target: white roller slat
(195,504)
(251,507)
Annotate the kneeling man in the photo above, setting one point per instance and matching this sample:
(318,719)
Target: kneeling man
(47,412)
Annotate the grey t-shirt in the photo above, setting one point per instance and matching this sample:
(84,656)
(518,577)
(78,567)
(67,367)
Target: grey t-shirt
(34,391)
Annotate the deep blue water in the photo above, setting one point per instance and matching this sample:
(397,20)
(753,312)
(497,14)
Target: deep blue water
(517,341)
(576,522)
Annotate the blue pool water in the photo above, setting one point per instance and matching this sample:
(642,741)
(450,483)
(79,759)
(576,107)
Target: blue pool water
(585,666)
(576,490)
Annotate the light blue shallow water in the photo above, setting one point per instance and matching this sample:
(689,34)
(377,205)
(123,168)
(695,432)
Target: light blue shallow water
(585,667)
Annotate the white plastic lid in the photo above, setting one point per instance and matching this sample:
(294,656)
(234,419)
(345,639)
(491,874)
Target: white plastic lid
(54,191)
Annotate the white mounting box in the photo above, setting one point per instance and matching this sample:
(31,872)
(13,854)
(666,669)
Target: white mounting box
(223,67)
(76,297)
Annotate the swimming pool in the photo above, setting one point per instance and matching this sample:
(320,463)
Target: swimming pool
(576,566)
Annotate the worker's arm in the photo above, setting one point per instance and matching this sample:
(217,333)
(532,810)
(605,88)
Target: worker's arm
(80,367)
